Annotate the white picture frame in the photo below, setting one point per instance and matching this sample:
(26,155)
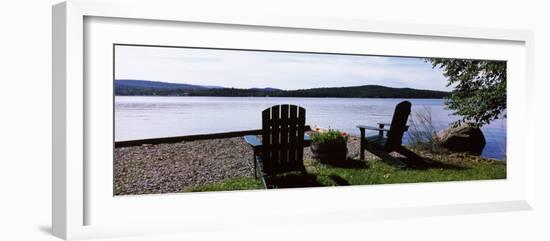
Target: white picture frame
(71,189)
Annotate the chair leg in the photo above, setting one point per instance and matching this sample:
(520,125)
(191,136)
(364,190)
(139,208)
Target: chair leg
(304,171)
(264,181)
(259,166)
(362,143)
(255,166)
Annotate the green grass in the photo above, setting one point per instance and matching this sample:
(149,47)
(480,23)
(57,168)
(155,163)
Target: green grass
(454,167)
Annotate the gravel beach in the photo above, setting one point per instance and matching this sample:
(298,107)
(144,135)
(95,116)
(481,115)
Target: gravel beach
(169,168)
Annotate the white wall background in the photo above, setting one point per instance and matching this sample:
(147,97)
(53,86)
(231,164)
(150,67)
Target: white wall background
(25,119)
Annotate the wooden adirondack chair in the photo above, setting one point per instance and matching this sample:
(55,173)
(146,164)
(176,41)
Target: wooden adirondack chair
(381,145)
(281,149)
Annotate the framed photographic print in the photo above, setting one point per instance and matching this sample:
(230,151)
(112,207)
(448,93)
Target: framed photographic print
(205,122)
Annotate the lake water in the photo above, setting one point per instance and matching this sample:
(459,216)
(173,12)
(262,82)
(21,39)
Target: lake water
(139,117)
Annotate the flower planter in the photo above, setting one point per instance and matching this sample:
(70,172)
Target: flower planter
(329,152)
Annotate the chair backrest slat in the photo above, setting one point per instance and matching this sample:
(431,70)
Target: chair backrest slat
(283,154)
(292,131)
(300,133)
(282,136)
(275,135)
(266,135)
(398,124)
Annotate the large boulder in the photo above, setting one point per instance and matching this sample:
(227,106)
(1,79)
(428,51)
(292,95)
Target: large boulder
(462,139)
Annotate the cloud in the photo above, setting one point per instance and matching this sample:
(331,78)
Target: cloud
(247,69)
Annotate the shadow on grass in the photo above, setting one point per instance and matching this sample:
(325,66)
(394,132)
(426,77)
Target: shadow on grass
(300,180)
(350,163)
(339,180)
(294,180)
(411,160)
(415,161)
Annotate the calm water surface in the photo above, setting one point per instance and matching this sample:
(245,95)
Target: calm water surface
(138,117)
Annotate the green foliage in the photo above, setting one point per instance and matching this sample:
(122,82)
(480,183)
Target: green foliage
(479,94)
(329,136)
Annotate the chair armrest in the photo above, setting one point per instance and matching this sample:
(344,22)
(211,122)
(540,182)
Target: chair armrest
(253,141)
(371,128)
(382,124)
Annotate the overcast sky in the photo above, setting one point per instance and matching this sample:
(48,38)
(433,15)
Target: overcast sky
(249,69)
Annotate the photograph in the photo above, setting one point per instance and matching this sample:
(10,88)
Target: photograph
(195,119)
(275,120)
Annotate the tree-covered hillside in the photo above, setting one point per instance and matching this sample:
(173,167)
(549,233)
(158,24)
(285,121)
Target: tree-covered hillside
(151,88)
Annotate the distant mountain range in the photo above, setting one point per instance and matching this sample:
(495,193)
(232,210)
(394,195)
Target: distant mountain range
(155,88)
(146,84)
